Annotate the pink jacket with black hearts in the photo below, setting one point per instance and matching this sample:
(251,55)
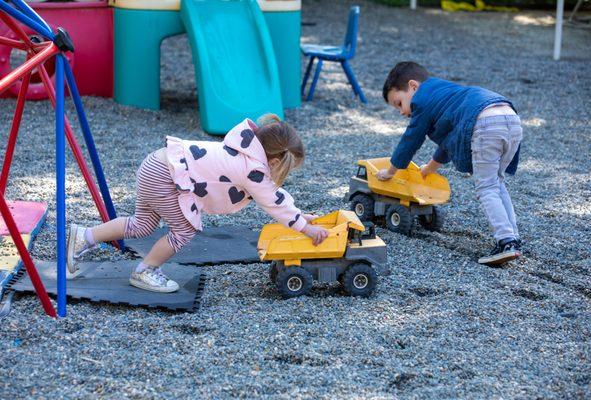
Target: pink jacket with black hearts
(222,177)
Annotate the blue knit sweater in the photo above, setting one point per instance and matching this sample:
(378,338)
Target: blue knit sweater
(446,113)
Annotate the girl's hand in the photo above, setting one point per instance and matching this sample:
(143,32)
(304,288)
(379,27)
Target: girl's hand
(310,217)
(316,233)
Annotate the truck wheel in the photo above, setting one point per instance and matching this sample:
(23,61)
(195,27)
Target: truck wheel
(434,221)
(273,271)
(360,280)
(363,205)
(398,219)
(294,282)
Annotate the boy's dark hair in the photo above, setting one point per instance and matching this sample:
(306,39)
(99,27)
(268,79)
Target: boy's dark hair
(400,75)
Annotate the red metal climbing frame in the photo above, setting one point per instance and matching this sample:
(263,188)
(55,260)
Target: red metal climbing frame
(40,49)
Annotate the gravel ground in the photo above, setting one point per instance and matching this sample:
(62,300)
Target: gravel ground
(441,326)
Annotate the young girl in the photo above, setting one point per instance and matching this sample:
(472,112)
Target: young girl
(187,178)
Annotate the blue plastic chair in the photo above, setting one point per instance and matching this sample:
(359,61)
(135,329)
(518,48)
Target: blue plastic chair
(341,54)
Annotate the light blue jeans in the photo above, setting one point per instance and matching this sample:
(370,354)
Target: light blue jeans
(494,143)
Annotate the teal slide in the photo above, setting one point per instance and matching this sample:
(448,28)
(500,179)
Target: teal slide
(235,65)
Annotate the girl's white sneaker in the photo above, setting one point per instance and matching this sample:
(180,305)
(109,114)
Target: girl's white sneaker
(154,280)
(77,246)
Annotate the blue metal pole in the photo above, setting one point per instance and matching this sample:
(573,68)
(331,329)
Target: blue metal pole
(60,173)
(19,16)
(96,162)
(28,11)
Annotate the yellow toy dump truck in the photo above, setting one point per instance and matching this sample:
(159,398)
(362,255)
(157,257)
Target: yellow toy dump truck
(351,254)
(399,199)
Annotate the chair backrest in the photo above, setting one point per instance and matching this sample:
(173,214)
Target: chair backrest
(352,28)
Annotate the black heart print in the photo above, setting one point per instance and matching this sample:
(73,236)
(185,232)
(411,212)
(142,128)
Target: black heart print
(294,220)
(194,208)
(247,136)
(231,151)
(235,195)
(224,178)
(199,188)
(197,152)
(256,176)
(280,197)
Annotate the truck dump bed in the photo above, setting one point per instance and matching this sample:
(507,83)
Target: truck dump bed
(276,242)
(408,184)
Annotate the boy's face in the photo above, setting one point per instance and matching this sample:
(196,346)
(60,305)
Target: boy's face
(400,99)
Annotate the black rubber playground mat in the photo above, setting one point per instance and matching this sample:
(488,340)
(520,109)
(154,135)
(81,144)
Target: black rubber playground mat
(215,245)
(108,281)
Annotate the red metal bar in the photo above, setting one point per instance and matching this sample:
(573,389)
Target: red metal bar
(35,61)
(16,28)
(12,43)
(94,192)
(27,260)
(16,121)
(25,40)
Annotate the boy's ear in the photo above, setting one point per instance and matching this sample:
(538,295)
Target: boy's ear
(414,85)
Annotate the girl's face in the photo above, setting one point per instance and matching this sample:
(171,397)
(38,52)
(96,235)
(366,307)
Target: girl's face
(401,99)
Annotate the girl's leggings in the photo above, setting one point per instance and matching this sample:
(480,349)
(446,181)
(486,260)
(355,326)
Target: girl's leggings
(157,198)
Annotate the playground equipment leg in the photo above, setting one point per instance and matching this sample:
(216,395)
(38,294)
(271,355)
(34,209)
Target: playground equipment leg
(16,121)
(60,192)
(76,150)
(26,257)
(96,162)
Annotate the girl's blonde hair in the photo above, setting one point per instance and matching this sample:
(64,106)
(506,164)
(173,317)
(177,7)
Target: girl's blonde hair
(281,142)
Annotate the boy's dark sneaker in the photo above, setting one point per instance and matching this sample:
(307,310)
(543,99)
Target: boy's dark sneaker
(505,250)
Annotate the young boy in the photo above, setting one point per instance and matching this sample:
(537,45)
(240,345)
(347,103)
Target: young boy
(478,130)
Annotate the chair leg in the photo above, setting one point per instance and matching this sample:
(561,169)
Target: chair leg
(572,14)
(315,80)
(353,81)
(307,75)
(353,86)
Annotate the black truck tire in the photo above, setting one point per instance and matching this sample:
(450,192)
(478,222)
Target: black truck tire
(359,279)
(434,221)
(398,219)
(294,282)
(363,206)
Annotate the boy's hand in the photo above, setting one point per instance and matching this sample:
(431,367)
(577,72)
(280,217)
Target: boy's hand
(430,168)
(316,233)
(385,174)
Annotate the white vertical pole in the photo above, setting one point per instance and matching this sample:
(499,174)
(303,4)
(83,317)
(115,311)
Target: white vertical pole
(413,4)
(558,31)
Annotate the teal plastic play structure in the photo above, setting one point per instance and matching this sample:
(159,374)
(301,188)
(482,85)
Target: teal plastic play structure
(246,63)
